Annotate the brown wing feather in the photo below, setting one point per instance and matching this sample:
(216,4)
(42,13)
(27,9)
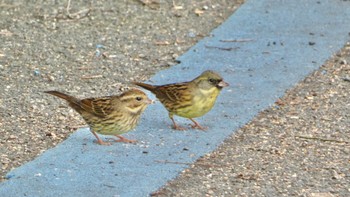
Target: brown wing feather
(172,92)
(101,107)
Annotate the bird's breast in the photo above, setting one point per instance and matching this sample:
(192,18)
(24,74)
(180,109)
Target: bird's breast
(202,103)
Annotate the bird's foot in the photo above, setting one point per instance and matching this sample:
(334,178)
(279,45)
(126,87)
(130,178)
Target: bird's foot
(125,140)
(100,142)
(177,127)
(196,125)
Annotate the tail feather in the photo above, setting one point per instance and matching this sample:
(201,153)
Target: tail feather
(61,95)
(73,102)
(146,86)
(85,105)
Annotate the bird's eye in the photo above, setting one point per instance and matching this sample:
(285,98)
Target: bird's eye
(211,80)
(138,98)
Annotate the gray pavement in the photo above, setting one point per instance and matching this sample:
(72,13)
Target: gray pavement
(283,41)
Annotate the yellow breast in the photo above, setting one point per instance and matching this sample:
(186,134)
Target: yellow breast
(202,102)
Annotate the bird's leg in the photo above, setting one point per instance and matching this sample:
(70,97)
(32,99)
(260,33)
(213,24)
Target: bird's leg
(99,141)
(176,127)
(196,125)
(123,139)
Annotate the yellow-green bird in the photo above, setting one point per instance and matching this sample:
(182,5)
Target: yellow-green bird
(190,99)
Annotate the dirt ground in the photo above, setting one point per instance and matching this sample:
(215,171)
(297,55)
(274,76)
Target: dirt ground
(87,49)
(298,147)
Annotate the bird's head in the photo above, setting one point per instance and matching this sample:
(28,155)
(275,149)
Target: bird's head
(135,101)
(210,79)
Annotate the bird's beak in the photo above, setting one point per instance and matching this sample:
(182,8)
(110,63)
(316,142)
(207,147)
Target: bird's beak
(149,101)
(223,84)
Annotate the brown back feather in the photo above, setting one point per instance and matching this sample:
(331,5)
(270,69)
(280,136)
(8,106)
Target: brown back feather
(98,106)
(170,92)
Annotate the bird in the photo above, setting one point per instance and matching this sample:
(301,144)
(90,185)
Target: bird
(190,99)
(110,115)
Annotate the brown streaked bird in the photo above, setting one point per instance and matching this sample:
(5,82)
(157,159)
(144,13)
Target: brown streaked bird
(189,99)
(109,115)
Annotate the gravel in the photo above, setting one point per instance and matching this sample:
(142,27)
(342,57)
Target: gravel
(88,50)
(298,147)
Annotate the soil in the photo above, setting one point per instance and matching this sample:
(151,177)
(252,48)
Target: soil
(298,147)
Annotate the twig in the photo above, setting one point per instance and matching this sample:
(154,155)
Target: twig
(238,40)
(84,68)
(161,43)
(153,4)
(186,163)
(172,162)
(5,32)
(4,5)
(222,48)
(176,7)
(92,77)
(77,15)
(321,139)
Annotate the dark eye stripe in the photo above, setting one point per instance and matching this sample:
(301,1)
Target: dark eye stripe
(215,81)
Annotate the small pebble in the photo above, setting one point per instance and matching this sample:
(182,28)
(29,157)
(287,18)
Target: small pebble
(191,34)
(9,176)
(36,72)
(343,62)
(98,53)
(38,174)
(100,46)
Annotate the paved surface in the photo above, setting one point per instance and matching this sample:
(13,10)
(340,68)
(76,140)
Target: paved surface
(283,44)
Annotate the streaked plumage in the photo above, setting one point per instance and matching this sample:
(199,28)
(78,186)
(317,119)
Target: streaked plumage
(110,115)
(189,99)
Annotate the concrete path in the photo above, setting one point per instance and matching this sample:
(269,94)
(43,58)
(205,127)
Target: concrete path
(281,42)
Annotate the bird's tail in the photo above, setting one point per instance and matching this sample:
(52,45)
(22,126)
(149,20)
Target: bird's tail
(71,100)
(146,86)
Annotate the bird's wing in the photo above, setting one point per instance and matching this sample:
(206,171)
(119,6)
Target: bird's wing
(101,107)
(174,92)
